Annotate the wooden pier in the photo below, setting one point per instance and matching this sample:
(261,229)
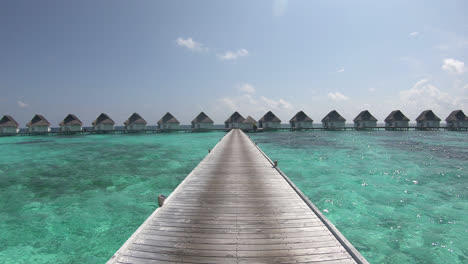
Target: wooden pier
(236,206)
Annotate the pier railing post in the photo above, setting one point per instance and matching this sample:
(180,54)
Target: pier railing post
(161,199)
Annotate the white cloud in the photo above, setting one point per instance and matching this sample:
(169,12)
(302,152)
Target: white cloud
(453,65)
(190,44)
(340,70)
(279,7)
(247,88)
(273,104)
(229,103)
(420,82)
(250,99)
(256,106)
(22,104)
(230,55)
(372,89)
(366,106)
(414,34)
(424,95)
(337,97)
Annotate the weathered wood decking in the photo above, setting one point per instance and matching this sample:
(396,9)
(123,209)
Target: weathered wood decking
(235,207)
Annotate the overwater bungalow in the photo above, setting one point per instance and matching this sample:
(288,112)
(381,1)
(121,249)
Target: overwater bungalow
(365,120)
(71,123)
(269,121)
(135,122)
(249,124)
(8,125)
(168,122)
(38,124)
(202,122)
(396,119)
(103,123)
(234,121)
(301,120)
(457,119)
(427,119)
(333,120)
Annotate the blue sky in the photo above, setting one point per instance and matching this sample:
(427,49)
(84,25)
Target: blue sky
(150,57)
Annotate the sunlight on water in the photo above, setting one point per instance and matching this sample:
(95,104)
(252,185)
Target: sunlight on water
(399,197)
(78,199)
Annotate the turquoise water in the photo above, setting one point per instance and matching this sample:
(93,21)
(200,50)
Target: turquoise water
(399,197)
(78,199)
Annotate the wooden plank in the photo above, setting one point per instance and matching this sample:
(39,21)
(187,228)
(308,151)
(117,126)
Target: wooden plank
(238,231)
(233,251)
(197,244)
(234,207)
(240,241)
(234,211)
(245,224)
(316,233)
(231,217)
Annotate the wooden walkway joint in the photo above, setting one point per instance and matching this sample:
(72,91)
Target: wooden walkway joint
(237,207)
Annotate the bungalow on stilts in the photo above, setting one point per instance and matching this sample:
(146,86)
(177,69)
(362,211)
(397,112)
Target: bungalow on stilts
(168,122)
(457,120)
(135,122)
(202,122)
(269,121)
(396,120)
(300,121)
(103,123)
(38,124)
(365,120)
(333,121)
(249,124)
(71,123)
(8,125)
(234,121)
(427,120)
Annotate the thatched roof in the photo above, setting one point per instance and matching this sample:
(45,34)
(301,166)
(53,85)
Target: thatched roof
(333,116)
(396,115)
(168,118)
(135,118)
(8,121)
(269,117)
(249,120)
(38,120)
(202,118)
(71,119)
(301,117)
(365,116)
(457,115)
(235,118)
(103,119)
(427,115)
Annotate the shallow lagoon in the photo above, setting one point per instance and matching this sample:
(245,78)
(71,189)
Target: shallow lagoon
(78,199)
(399,197)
